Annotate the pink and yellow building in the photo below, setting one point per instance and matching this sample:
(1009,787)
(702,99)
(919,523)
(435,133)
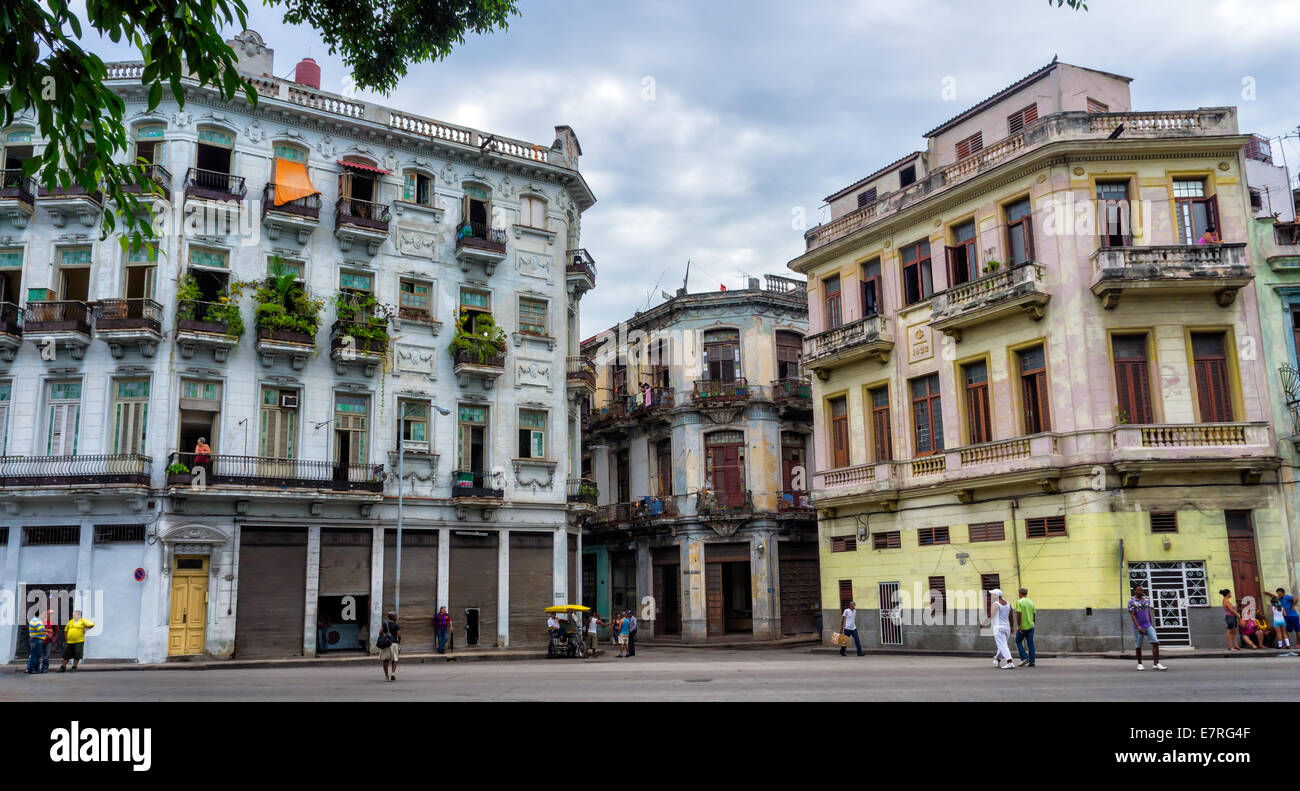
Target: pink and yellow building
(1028,372)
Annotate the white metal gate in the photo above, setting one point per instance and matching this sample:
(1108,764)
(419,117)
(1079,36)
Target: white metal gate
(1172,587)
(891,622)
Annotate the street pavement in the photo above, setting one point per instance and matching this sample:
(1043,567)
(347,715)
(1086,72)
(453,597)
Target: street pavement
(675,674)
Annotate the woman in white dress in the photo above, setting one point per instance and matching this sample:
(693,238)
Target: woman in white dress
(1001,620)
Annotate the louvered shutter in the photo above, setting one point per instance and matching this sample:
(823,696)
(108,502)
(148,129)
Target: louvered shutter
(63,430)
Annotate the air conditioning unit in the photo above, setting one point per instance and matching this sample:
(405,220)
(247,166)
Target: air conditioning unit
(289,400)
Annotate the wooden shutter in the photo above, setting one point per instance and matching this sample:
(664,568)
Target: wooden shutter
(1045,527)
(129,423)
(63,429)
(840,432)
(846,593)
(987,531)
(866,197)
(881,433)
(844,544)
(977,403)
(890,540)
(938,594)
(989,582)
(1211,366)
(1132,383)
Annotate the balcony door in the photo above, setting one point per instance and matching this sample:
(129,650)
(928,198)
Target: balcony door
(358,183)
(278,432)
(74,274)
(350,414)
(471,439)
(64,400)
(213,159)
(476,210)
(141,274)
(664,467)
(130,415)
(722,355)
(725,467)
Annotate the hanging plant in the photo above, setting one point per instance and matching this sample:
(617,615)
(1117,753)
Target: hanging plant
(284,304)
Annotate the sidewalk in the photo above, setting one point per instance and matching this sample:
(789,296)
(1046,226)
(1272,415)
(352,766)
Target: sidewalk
(1167,653)
(725,642)
(504,654)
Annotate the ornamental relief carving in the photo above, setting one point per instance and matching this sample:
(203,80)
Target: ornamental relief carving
(418,359)
(535,372)
(533,265)
(418,243)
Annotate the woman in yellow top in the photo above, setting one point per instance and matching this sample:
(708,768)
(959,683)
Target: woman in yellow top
(75,643)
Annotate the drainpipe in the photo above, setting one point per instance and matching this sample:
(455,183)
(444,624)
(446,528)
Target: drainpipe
(1015,543)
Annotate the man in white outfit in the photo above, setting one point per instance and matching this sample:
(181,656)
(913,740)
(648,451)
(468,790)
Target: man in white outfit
(1001,620)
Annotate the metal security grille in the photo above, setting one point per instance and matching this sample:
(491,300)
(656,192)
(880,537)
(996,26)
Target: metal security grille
(52,536)
(844,544)
(891,624)
(1173,587)
(118,534)
(1164,521)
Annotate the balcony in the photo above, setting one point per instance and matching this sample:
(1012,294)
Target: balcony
(847,343)
(791,501)
(650,508)
(467,367)
(651,403)
(793,394)
(723,503)
(66,323)
(214,185)
(363,344)
(582,492)
(17,196)
(206,325)
(73,201)
(718,391)
(1218,269)
(611,515)
(120,322)
(996,296)
(299,217)
(580,272)
(580,376)
(274,473)
(778,284)
(11,330)
(477,243)
(1041,139)
(467,483)
(157,182)
(614,415)
(43,472)
(363,222)
(298,347)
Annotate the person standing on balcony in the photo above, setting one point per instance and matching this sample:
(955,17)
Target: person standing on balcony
(1211,236)
(203,456)
(849,627)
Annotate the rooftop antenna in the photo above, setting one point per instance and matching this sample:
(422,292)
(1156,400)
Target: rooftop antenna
(651,293)
(687,278)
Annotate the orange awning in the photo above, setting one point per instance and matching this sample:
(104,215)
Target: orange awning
(291,181)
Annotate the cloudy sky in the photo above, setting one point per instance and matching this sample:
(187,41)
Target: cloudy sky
(708,126)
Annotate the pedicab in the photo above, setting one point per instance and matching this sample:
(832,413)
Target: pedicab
(569,642)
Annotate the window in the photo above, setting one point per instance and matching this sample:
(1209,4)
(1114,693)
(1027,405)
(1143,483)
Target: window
(986,531)
(1194,212)
(130,415)
(1256,200)
(149,144)
(6,392)
(1020,232)
(930,536)
(474,303)
(532,212)
(278,427)
(846,594)
(414,299)
(471,438)
(64,400)
(844,544)
(664,467)
(11,277)
(118,534)
(789,345)
(724,467)
(927,415)
(532,316)
(417,188)
(1114,214)
(889,540)
(831,285)
(793,448)
(1095,106)
(938,596)
(918,283)
(1033,389)
(532,434)
(962,263)
(872,288)
(141,272)
(61,535)
(906,176)
(970,145)
(1132,379)
(476,211)
(17,150)
(866,197)
(1211,365)
(1164,521)
(213,158)
(976,378)
(1021,118)
(413,419)
(1045,527)
(350,427)
(839,432)
(74,274)
(290,152)
(623,476)
(213,259)
(722,355)
(989,582)
(882,436)
(200,416)
(358,187)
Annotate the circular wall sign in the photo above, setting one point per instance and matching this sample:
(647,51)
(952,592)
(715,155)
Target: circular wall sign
(139,575)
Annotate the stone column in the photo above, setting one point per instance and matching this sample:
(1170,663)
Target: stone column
(560,566)
(444,568)
(644,580)
(695,625)
(9,590)
(763,575)
(377,549)
(313,593)
(503,589)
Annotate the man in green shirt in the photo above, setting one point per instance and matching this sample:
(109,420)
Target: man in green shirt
(1025,612)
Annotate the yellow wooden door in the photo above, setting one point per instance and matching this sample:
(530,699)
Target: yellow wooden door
(189,607)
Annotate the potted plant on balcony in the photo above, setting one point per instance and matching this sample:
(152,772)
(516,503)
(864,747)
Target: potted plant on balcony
(178,475)
(223,316)
(367,320)
(991,266)
(285,312)
(478,345)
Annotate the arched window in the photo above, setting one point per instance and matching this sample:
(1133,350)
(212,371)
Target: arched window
(149,144)
(215,155)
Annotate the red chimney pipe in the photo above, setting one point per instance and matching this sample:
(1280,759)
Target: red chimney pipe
(307,73)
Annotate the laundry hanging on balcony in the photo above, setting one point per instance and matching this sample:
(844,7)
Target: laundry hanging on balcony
(291,181)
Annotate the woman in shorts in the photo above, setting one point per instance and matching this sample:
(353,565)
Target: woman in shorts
(1230,618)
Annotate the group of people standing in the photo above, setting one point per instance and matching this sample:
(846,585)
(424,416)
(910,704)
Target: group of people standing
(622,631)
(1258,630)
(1002,617)
(41,634)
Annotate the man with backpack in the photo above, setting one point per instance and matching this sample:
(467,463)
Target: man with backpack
(388,642)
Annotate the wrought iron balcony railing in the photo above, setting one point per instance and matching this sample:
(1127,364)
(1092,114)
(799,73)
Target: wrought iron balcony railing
(214,185)
(582,490)
(720,390)
(62,316)
(362,214)
(158,181)
(225,470)
(481,236)
(58,471)
(128,314)
(308,206)
(467,483)
(15,186)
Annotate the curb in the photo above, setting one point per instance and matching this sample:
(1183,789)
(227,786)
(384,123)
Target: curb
(1270,653)
(762,645)
(295,663)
